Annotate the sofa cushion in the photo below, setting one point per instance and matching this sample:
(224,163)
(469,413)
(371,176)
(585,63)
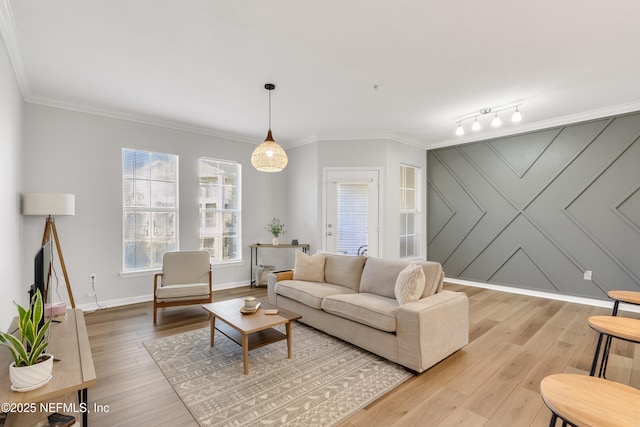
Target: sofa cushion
(379,276)
(409,284)
(369,309)
(309,267)
(309,293)
(344,270)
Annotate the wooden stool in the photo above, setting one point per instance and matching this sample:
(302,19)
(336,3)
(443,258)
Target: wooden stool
(588,401)
(622,328)
(629,297)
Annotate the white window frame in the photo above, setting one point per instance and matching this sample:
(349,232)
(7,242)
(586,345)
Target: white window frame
(218,251)
(407,211)
(158,244)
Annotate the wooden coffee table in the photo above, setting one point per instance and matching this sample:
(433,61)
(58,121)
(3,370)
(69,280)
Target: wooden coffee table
(250,330)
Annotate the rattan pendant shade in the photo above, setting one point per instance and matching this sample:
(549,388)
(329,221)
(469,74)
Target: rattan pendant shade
(269,156)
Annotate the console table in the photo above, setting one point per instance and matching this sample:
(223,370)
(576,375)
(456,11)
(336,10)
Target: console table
(255,246)
(73,372)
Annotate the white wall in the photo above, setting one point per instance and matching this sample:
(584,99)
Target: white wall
(13,286)
(306,183)
(79,153)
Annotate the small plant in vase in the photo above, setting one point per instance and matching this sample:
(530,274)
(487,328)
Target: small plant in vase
(276,228)
(31,366)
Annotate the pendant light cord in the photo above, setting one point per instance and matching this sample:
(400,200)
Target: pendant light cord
(269,109)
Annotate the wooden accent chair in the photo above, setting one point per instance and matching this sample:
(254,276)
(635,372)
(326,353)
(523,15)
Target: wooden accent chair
(185,280)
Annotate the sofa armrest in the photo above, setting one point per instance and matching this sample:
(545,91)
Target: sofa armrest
(273,278)
(432,328)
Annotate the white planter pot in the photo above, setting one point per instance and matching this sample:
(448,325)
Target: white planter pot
(25,378)
(275,241)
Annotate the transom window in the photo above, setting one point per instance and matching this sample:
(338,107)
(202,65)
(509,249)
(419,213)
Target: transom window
(220,213)
(149,207)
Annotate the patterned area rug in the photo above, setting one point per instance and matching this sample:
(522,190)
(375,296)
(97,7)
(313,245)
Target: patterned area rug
(325,381)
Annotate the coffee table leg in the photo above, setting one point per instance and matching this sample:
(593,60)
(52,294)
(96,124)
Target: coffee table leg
(213,327)
(288,329)
(245,353)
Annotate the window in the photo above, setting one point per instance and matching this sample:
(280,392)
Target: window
(220,209)
(149,207)
(409,212)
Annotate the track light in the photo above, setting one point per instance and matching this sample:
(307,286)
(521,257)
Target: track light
(496,122)
(515,118)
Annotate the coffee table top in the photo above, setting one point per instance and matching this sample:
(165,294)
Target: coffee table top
(229,312)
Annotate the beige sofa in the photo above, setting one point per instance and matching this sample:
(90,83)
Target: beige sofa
(356,302)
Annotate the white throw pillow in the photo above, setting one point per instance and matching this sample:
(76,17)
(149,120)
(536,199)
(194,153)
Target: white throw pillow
(410,284)
(309,268)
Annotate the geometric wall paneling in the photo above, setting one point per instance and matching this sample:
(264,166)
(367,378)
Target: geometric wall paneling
(522,151)
(593,210)
(566,145)
(570,203)
(521,267)
(466,212)
(439,211)
(629,208)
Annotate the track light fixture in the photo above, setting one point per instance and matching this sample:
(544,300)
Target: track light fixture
(496,122)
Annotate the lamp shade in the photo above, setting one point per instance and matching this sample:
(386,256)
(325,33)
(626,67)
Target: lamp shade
(269,156)
(48,204)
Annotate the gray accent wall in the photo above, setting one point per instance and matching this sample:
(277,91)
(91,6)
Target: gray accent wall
(537,210)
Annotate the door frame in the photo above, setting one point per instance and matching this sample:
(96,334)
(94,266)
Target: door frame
(325,172)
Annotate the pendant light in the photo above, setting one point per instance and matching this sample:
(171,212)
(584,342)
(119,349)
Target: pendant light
(269,156)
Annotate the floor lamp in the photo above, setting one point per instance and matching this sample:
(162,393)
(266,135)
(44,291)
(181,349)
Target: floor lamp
(49,205)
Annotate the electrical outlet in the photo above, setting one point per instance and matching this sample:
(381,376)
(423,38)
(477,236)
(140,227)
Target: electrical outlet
(587,275)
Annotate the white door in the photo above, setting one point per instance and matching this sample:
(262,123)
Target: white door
(351,211)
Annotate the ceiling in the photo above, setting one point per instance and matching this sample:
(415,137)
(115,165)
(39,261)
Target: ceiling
(407,70)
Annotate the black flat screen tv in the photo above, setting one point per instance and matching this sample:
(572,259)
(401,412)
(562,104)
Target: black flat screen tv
(41,272)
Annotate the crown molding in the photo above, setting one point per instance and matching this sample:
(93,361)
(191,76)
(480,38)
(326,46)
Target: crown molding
(569,119)
(402,139)
(141,118)
(12,44)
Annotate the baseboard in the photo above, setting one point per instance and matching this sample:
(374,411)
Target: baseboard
(92,306)
(548,295)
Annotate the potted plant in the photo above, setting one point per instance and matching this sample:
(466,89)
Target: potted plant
(276,228)
(31,366)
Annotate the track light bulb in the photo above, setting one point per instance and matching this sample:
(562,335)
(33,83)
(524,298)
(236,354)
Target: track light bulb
(496,122)
(476,125)
(459,130)
(516,116)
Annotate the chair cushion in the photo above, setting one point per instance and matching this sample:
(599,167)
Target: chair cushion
(309,293)
(344,270)
(185,267)
(369,309)
(309,268)
(409,284)
(185,291)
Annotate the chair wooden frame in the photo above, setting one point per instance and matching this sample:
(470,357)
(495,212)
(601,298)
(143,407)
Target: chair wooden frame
(161,304)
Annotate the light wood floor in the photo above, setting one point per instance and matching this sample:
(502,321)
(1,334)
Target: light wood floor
(515,341)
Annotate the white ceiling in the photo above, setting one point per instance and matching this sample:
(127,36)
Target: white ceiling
(202,64)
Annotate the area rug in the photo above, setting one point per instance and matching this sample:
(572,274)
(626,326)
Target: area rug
(324,382)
